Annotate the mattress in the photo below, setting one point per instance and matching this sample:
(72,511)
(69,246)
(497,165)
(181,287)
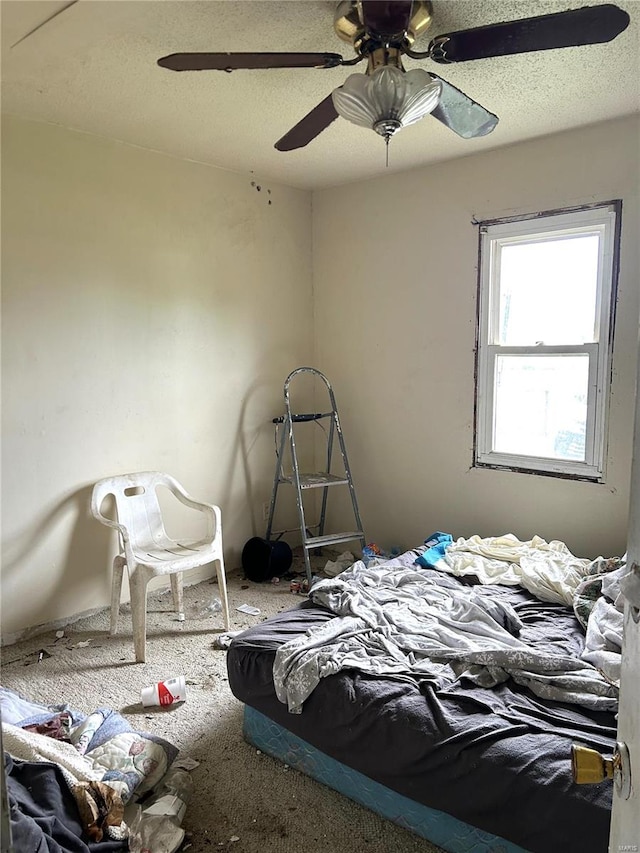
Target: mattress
(494,759)
(451,834)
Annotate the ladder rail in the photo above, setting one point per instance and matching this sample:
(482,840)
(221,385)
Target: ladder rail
(276,482)
(325,491)
(298,491)
(345,461)
(324,480)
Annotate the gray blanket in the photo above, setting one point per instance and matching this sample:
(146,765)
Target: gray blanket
(403,621)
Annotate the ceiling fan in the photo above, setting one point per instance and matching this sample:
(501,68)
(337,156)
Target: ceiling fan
(387,97)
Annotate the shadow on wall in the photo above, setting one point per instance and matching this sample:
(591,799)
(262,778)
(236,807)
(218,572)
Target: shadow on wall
(77,573)
(66,555)
(244,518)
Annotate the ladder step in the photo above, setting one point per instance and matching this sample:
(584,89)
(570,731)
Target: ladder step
(284,438)
(312,416)
(317,481)
(332,539)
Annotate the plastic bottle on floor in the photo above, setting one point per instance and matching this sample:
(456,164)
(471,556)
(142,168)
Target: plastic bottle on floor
(178,782)
(205,610)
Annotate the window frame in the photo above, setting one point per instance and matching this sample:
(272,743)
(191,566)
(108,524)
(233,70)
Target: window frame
(603,218)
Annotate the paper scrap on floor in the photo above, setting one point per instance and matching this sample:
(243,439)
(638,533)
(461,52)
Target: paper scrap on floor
(247,608)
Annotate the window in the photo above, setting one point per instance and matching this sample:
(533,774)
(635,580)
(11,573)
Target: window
(545,323)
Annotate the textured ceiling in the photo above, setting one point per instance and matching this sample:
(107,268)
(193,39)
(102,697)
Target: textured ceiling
(92,67)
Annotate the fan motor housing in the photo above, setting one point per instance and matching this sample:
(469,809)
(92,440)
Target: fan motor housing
(349,25)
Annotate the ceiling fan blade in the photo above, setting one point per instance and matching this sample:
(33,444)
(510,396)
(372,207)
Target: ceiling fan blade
(234,61)
(589,25)
(309,127)
(386,17)
(461,114)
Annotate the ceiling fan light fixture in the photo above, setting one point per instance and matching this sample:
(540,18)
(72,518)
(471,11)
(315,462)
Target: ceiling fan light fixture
(387,99)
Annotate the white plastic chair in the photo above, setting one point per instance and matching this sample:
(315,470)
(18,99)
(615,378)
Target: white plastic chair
(147,551)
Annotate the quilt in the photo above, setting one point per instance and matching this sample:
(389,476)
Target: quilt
(103,761)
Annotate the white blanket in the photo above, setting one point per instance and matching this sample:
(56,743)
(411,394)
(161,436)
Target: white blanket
(603,643)
(547,569)
(31,746)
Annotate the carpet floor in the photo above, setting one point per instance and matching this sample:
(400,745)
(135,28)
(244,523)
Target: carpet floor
(244,801)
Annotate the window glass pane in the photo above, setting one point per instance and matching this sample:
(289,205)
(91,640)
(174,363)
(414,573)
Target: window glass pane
(548,291)
(541,405)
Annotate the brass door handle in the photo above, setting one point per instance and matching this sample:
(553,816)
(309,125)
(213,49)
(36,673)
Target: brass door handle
(589,767)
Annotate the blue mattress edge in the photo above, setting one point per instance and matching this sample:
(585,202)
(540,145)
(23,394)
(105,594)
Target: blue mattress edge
(447,832)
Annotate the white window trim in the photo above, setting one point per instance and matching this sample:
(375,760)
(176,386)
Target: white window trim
(604,220)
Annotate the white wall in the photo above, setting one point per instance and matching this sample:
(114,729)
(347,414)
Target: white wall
(395,277)
(151,309)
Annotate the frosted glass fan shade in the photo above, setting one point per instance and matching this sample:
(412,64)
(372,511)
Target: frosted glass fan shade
(388,99)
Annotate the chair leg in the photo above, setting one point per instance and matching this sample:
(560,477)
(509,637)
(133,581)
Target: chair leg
(116,590)
(138,589)
(222,588)
(176,592)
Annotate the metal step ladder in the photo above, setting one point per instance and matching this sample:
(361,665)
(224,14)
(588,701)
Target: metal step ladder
(313,536)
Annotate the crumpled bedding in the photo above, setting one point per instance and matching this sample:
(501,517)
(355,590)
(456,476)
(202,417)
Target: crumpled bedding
(110,749)
(100,748)
(593,588)
(404,621)
(44,816)
(495,758)
(547,569)
(599,605)
(30,746)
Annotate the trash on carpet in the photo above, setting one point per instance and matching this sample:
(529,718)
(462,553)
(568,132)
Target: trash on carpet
(247,608)
(210,608)
(156,825)
(203,609)
(300,586)
(157,833)
(372,555)
(342,562)
(185,763)
(167,692)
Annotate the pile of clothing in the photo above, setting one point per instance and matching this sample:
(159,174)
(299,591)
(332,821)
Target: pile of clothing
(74,780)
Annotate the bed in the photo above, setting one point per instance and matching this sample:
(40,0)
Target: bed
(445,704)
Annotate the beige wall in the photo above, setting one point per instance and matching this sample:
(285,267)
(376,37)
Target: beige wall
(151,309)
(395,270)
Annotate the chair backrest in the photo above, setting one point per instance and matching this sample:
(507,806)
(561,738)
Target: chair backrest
(136,501)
